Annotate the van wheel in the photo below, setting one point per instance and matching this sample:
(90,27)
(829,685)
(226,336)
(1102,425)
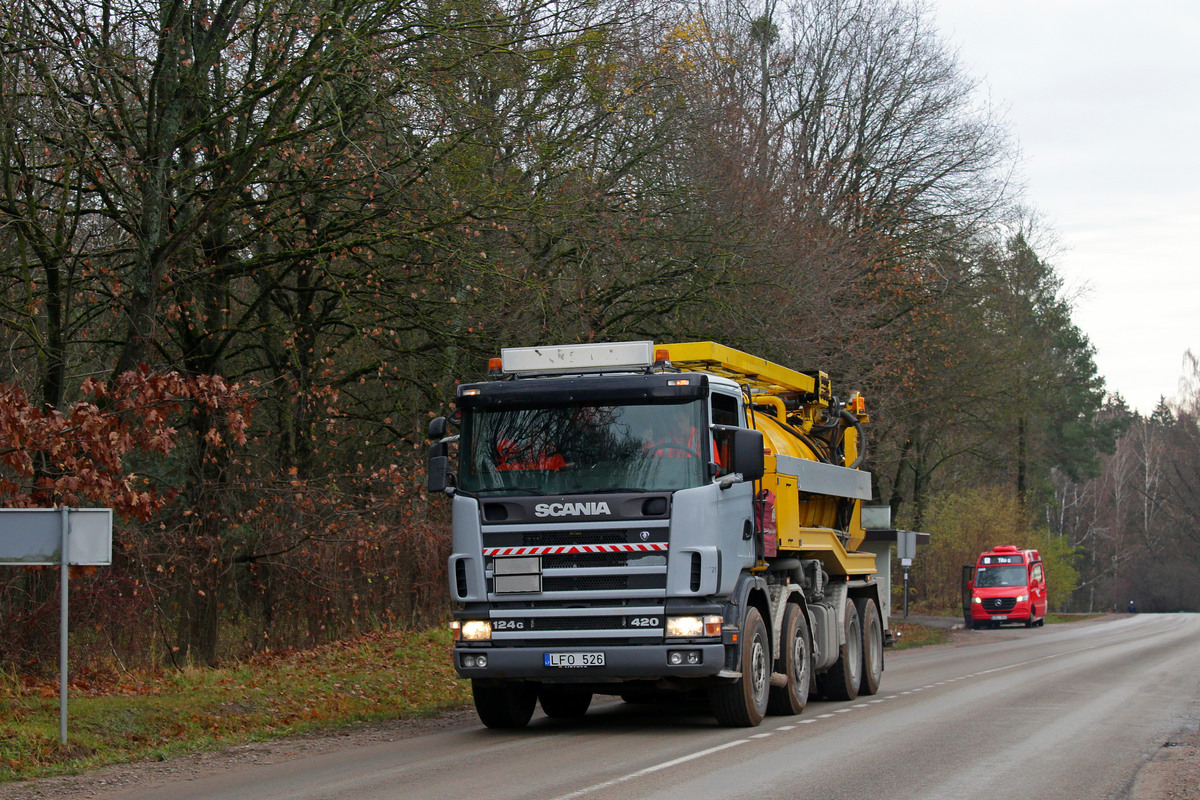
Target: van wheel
(795,661)
(872,645)
(743,703)
(841,681)
(504,704)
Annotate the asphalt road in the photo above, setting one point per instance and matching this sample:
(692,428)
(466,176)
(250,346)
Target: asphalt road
(1067,711)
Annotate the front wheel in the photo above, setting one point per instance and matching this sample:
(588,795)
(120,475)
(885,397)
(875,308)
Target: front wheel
(504,704)
(795,661)
(743,702)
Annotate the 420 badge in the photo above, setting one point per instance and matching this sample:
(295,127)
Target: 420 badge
(573,659)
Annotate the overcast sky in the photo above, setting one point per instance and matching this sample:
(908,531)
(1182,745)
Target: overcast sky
(1104,99)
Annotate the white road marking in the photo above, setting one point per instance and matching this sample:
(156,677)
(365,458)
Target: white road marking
(649,770)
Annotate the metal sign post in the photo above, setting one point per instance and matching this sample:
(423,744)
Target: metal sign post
(63,537)
(906,549)
(65,569)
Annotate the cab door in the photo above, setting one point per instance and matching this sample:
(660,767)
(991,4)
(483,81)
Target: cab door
(1037,590)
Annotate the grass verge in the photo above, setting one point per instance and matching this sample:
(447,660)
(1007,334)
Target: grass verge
(379,676)
(1052,619)
(913,635)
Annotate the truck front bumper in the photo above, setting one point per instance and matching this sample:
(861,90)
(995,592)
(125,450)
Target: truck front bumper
(620,662)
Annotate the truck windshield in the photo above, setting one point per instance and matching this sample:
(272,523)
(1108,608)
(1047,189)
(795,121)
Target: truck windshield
(558,449)
(986,577)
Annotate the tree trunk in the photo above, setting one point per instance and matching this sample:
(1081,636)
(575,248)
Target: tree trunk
(1021,456)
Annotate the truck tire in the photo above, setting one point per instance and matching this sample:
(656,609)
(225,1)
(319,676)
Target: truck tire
(564,702)
(504,704)
(743,703)
(840,681)
(872,645)
(795,661)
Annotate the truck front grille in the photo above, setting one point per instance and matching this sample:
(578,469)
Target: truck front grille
(575,560)
(604,583)
(626,562)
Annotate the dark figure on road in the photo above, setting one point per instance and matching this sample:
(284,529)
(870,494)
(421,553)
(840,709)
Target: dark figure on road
(1132,607)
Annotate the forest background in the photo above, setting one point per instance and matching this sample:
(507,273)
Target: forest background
(248,247)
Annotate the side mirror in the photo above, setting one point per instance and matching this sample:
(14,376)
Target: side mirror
(437,428)
(748,454)
(438,473)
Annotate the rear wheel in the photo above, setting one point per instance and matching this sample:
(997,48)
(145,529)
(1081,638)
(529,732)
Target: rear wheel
(564,702)
(743,702)
(795,661)
(841,681)
(872,645)
(504,704)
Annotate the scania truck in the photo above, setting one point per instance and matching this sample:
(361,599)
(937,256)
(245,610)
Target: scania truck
(634,520)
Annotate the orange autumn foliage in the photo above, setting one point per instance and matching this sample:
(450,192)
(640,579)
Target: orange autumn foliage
(78,456)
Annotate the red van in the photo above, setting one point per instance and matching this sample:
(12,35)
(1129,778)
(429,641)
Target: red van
(1005,585)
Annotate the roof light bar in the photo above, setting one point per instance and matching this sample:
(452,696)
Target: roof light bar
(563,359)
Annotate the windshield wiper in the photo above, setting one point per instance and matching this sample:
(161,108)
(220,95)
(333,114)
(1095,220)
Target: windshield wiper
(510,489)
(615,490)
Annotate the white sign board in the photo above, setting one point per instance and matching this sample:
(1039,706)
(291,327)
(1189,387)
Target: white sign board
(34,536)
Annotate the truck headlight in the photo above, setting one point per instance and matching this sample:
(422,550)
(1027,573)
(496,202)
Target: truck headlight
(691,627)
(1021,598)
(472,630)
(976,599)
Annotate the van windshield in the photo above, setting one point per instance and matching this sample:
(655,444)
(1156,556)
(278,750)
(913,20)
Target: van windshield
(988,577)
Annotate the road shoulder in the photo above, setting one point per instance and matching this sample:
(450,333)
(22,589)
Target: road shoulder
(1174,771)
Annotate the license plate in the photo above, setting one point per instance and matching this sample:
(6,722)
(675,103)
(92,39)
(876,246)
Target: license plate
(569,660)
(999,616)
